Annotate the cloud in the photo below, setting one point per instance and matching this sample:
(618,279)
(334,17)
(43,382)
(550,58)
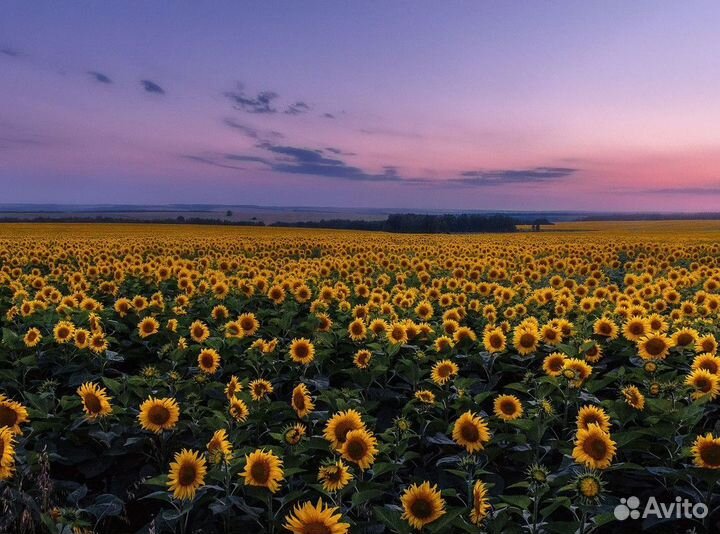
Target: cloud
(11,52)
(261,103)
(306,161)
(340,152)
(513,176)
(252,132)
(328,116)
(691,190)
(390,133)
(152,87)
(297,108)
(99,76)
(313,162)
(210,161)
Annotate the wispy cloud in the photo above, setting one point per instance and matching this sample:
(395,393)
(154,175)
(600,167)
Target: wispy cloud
(99,76)
(152,87)
(251,131)
(260,103)
(297,108)
(10,52)
(513,176)
(690,190)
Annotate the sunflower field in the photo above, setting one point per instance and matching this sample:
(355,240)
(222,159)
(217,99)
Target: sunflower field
(216,379)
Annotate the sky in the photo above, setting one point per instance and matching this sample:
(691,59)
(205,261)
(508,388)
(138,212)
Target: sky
(496,105)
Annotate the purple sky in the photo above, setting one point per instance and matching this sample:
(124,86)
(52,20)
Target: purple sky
(606,105)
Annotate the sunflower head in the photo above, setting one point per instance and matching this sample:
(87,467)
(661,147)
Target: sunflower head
(157,415)
(594,448)
(471,431)
(360,448)
(508,407)
(263,469)
(96,402)
(187,474)
(422,504)
(706,451)
(334,476)
(320,518)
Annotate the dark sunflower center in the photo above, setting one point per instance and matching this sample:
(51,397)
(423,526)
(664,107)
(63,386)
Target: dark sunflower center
(333,474)
(148,327)
(301,351)
(316,527)
(356,449)
(207,360)
(92,403)
(703,384)
(421,508)
(299,400)
(507,407)
(469,432)
(158,415)
(247,324)
(655,346)
(342,429)
(595,448)
(684,339)
(186,474)
(711,454)
(527,341)
(495,341)
(636,328)
(8,416)
(260,471)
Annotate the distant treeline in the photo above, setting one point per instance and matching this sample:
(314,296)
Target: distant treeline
(704,216)
(411,223)
(399,223)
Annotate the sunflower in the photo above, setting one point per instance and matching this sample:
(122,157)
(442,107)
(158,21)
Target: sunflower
(157,415)
(219,447)
(590,486)
(32,337)
(340,424)
(334,476)
(507,407)
(592,415)
(443,344)
(301,401)
(233,387)
(604,327)
(263,469)
(208,361)
(707,344)
(707,361)
(360,447)
(636,328)
(362,359)
(238,410)
(654,346)
(7,453)
(98,344)
(357,330)
(481,503)
(706,452)
(422,505)
(148,326)
(187,474)
(593,448)
(294,433)
(464,335)
(494,340)
(396,334)
(594,353)
(82,338)
(550,335)
(260,389)
(96,403)
(633,397)
(444,371)
(248,323)
(63,332)
(425,396)
(199,331)
(685,337)
(576,371)
(315,519)
(302,351)
(554,363)
(12,414)
(471,431)
(526,340)
(704,383)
